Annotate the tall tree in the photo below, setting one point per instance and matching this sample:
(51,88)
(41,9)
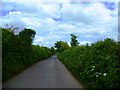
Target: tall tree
(74,41)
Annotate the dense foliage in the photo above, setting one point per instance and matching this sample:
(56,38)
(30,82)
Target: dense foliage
(95,66)
(18,51)
(61,46)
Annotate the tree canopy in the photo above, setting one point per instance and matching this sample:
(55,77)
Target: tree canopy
(74,41)
(27,35)
(61,46)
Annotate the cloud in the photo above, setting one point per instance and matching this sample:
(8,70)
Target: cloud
(61,0)
(56,21)
(85,42)
(92,13)
(39,39)
(12,19)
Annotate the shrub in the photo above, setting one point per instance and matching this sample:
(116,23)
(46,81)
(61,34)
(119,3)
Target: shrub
(95,66)
(19,53)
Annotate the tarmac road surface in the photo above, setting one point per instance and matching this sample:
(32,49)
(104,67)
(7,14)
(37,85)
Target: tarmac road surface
(49,73)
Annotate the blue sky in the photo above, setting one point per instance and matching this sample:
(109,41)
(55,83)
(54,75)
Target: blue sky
(56,20)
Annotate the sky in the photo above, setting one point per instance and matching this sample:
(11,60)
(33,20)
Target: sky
(55,20)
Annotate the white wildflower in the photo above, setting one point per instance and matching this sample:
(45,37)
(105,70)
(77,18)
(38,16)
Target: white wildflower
(107,57)
(96,75)
(104,74)
(92,69)
(96,72)
(93,66)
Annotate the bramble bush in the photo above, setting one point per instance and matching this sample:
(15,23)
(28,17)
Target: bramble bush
(95,66)
(18,52)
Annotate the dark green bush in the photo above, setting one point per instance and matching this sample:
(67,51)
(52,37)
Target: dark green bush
(96,66)
(19,53)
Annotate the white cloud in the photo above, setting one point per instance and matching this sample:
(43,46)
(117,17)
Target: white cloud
(51,9)
(14,13)
(13,19)
(85,42)
(39,39)
(93,13)
(61,0)
(90,20)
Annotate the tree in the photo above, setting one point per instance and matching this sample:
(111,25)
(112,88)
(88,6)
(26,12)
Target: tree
(53,50)
(74,42)
(27,36)
(61,46)
(12,29)
(18,51)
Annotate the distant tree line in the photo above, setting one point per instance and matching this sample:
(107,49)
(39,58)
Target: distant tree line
(61,46)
